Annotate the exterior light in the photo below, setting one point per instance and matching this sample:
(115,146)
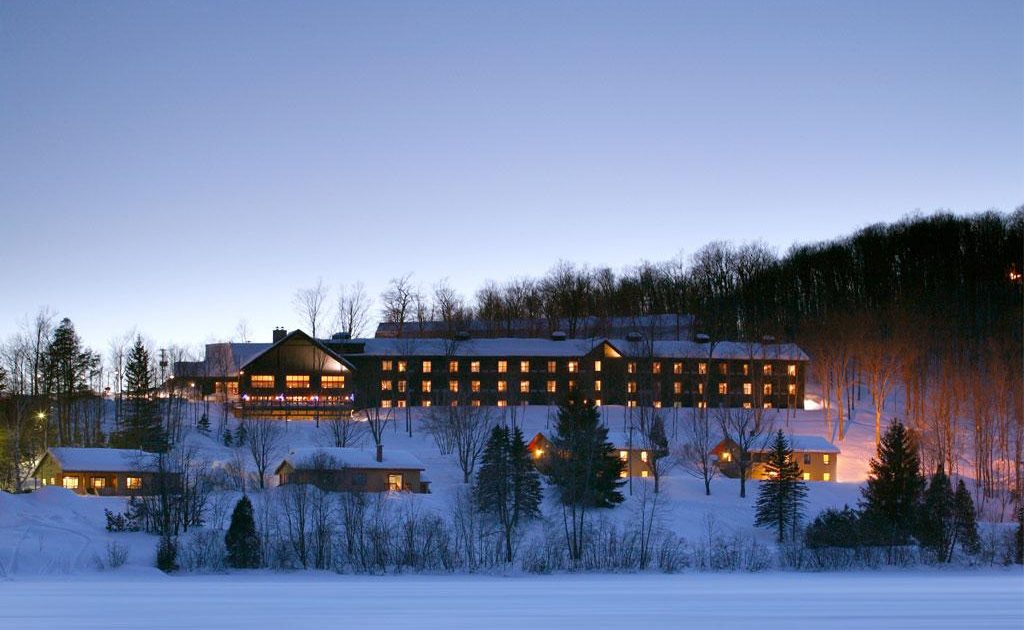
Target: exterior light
(41,415)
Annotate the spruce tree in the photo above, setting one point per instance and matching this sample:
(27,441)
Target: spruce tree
(204,424)
(892,496)
(142,426)
(241,434)
(507,486)
(226,437)
(966,519)
(935,526)
(834,528)
(242,541)
(783,494)
(66,368)
(167,554)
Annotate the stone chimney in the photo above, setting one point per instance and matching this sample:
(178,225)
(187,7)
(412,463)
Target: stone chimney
(380,452)
(279,334)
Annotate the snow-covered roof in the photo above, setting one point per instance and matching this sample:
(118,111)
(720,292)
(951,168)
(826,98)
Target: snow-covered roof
(723,350)
(304,458)
(71,459)
(619,439)
(496,347)
(802,444)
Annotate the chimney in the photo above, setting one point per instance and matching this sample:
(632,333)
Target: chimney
(279,334)
(558,335)
(380,452)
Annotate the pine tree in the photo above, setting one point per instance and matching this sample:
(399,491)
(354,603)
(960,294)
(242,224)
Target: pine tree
(227,437)
(782,495)
(242,541)
(507,485)
(204,424)
(892,497)
(935,526)
(834,528)
(142,426)
(241,434)
(66,367)
(167,554)
(966,519)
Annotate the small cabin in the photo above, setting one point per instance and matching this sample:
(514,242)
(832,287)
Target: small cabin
(636,461)
(354,470)
(103,471)
(816,456)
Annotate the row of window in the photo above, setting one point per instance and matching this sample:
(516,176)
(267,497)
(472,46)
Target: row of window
(96,483)
(296,381)
(572,366)
(427,386)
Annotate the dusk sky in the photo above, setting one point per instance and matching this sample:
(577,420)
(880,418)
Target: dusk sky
(176,167)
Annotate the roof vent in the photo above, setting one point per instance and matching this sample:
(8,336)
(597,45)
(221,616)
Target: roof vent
(341,336)
(768,339)
(558,335)
(634,336)
(279,334)
(462,335)
(702,338)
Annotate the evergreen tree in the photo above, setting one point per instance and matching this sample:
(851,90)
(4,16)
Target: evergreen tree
(782,495)
(66,368)
(242,541)
(241,434)
(1019,538)
(227,437)
(167,554)
(204,424)
(935,526)
(834,528)
(892,496)
(142,426)
(507,485)
(966,519)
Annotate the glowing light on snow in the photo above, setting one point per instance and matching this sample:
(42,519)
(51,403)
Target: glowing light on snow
(811,405)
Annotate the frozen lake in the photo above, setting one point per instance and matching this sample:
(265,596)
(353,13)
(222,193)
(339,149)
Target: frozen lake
(293,601)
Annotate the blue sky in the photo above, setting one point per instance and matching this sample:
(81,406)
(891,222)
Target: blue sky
(179,166)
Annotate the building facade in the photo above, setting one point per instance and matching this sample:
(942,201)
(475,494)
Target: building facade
(104,472)
(817,458)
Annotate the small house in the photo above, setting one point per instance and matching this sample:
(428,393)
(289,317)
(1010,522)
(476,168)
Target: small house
(636,461)
(354,470)
(103,471)
(816,457)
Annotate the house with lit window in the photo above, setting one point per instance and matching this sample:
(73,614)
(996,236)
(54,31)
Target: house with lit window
(104,471)
(816,456)
(636,460)
(339,469)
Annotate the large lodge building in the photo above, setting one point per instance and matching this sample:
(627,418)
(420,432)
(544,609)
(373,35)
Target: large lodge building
(298,376)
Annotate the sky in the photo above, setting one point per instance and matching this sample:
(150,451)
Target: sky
(177,167)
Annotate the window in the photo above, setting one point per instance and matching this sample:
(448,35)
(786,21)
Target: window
(425,403)
(332,382)
(552,387)
(624,455)
(643,456)
(723,368)
(767,369)
(296,381)
(394,482)
(401,404)
(702,404)
(747,405)
(574,366)
(385,386)
(402,386)
(623,474)
(427,366)
(657,404)
(538,453)
(386,404)
(791,369)
(700,388)
(677,387)
(402,366)
(597,366)
(631,403)
(768,405)
(807,459)
(791,389)
(502,386)
(677,367)
(427,386)
(807,476)
(262,381)
(631,367)
(474,403)
(702,368)
(826,477)
(453,366)
(502,367)
(134,483)
(524,366)
(502,403)
(767,389)
(597,386)
(474,386)
(453,386)
(746,369)
(656,367)
(644,473)
(597,402)
(552,367)
(748,389)
(825,458)
(726,456)
(572,386)
(723,388)
(386,365)
(98,483)
(631,387)
(524,387)
(474,367)
(454,403)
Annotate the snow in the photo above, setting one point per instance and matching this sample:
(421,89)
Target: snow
(910,599)
(802,444)
(102,459)
(354,458)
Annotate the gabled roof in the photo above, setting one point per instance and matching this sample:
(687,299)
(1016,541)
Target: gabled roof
(485,348)
(71,459)
(298,334)
(802,444)
(336,458)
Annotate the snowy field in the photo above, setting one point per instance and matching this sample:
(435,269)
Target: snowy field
(911,599)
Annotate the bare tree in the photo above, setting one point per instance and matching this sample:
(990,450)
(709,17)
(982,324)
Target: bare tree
(310,305)
(345,429)
(695,454)
(242,332)
(882,364)
(449,305)
(463,430)
(377,419)
(264,439)
(353,314)
(397,302)
(745,429)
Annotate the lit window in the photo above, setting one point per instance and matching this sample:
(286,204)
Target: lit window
(700,388)
(99,483)
(767,369)
(552,387)
(597,366)
(723,388)
(538,453)
(425,403)
(502,386)
(643,456)
(453,366)
(748,389)
(402,366)
(572,386)
(677,387)
(656,367)
(791,369)
(402,386)
(296,381)
(747,405)
(427,366)
(386,404)
(524,387)
(453,385)
(768,405)
(386,365)
(631,367)
(262,381)
(502,367)
(401,404)
(767,389)
(644,473)
(502,403)
(631,387)
(454,403)
(746,369)
(657,404)
(726,456)
(807,476)
(474,367)
(702,404)
(631,403)
(791,389)
(597,402)
(702,368)
(134,483)
(394,482)
(826,477)
(474,386)
(623,455)
(385,386)
(723,368)
(623,474)
(574,366)
(825,458)
(427,386)
(597,386)
(524,366)
(677,367)
(474,403)
(552,366)
(332,382)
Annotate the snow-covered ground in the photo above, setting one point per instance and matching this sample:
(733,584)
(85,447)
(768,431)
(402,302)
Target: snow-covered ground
(927,599)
